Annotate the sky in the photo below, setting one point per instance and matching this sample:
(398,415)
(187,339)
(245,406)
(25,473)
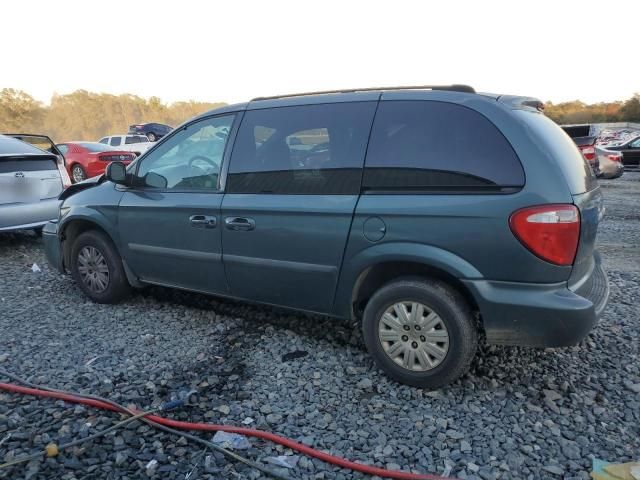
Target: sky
(232,51)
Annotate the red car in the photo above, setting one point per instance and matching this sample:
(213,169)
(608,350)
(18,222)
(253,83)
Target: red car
(89,159)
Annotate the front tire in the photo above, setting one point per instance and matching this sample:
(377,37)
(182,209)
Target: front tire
(421,332)
(97,268)
(78,174)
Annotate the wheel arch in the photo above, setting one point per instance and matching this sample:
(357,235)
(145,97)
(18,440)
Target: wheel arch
(380,264)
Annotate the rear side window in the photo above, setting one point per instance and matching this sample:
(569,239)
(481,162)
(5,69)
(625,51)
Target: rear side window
(574,166)
(104,140)
(13,164)
(434,146)
(311,149)
(129,140)
(115,141)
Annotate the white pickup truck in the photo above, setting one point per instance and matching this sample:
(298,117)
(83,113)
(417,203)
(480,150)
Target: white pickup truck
(137,144)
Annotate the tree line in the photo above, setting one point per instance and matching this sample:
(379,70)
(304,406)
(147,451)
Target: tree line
(84,115)
(603,112)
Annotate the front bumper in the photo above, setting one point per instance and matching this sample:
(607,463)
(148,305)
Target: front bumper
(52,246)
(540,315)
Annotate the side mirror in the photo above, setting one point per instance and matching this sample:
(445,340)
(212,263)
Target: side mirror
(116,172)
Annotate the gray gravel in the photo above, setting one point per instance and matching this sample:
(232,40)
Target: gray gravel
(520,413)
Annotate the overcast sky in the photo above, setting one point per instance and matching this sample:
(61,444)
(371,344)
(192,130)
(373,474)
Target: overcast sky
(234,50)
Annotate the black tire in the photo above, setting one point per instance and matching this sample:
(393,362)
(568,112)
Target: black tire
(77,173)
(117,286)
(152,137)
(455,316)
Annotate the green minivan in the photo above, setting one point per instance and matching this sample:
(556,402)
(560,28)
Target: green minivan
(430,214)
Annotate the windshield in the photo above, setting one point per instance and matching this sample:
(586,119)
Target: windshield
(95,147)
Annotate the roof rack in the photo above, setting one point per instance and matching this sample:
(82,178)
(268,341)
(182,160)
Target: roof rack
(452,88)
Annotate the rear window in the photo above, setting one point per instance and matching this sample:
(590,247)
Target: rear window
(437,146)
(26,164)
(576,170)
(95,147)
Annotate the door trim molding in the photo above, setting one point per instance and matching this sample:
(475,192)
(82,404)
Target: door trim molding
(281,264)
(175,252)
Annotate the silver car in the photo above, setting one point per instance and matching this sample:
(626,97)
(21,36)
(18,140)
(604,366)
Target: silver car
(610,161)
(30,181)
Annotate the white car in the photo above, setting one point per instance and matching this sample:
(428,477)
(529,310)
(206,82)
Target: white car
(137,144)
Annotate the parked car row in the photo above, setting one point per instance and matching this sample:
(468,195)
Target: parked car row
(604,161)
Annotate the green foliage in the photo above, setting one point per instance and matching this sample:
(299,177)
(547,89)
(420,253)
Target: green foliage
(84,115)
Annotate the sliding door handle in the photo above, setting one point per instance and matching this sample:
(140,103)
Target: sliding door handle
(203,221)
(240,223)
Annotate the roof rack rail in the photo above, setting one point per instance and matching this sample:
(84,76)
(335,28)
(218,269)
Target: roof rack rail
(452,88)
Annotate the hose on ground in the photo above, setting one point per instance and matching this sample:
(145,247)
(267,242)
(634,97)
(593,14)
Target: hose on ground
(168,424)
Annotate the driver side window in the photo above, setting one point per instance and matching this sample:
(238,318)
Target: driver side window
(190,159)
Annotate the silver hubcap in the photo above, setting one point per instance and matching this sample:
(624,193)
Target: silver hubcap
(77,173)
(413,336)
(93,269)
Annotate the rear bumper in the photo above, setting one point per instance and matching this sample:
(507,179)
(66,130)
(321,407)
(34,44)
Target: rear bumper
(20,216)
(540,315)
(52,246)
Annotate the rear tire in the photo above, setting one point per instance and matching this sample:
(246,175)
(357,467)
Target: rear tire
(152,137)
(420,331)
(78,174)
(97,268)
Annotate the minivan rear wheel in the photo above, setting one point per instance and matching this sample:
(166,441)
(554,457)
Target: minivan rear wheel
(97,268)
(421,332)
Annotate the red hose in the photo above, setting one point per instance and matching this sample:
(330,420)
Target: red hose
(341,462)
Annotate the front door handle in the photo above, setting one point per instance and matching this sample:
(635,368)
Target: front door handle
(240,223)
(203,221)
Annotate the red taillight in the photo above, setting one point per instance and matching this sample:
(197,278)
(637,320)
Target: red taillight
(588,152)
(615,158)
(64,175)
(551,232)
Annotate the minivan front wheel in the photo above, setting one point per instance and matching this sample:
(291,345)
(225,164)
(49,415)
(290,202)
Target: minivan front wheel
(97,268)
(420,332)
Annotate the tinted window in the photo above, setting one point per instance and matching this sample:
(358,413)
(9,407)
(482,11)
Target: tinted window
(115,141)
(426,145)
(95,147)
(26,164)
(190,160)
(129,140)
(311,149)
(142,139)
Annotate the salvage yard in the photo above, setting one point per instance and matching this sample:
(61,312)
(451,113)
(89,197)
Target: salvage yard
(519,413)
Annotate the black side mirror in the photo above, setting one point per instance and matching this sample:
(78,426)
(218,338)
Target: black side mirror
(116,172)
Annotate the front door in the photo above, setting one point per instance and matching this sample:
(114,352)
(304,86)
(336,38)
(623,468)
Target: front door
(169,221)
(292,187)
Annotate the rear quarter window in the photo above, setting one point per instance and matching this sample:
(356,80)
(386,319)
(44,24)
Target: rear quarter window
(574,167)
(434,146)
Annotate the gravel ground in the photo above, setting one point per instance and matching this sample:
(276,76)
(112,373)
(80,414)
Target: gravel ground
(519,413)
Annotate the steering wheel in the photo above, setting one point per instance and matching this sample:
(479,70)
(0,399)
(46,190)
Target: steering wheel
(207,160)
